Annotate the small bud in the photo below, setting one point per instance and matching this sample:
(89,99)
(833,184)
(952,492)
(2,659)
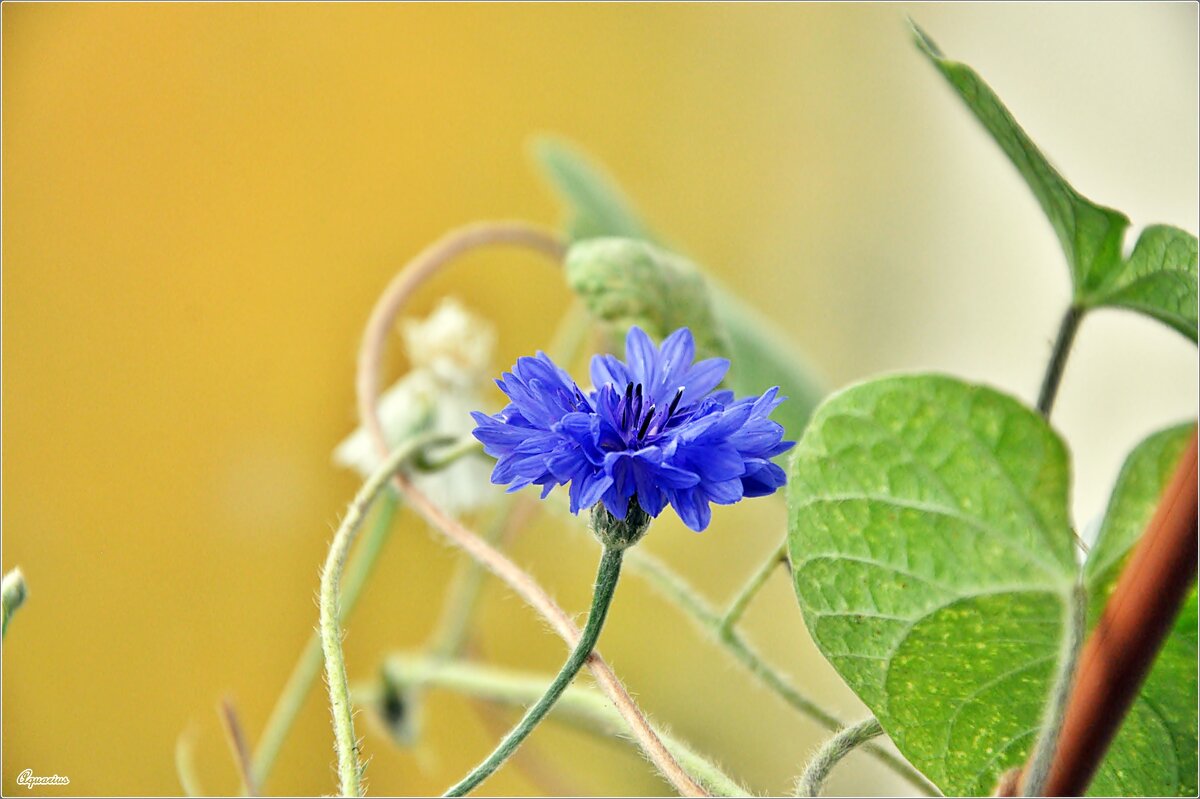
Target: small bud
(397,711)
(617,533)
(625,283)
(14,591)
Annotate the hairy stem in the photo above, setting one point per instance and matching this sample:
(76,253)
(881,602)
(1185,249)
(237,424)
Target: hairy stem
(304,673)
(1058,359)
(446,456)
(1056,706)
(585,708)
(747,593)
(367,384)
(346,744)
(607,575)
(12,594)
(832,752)
(689,600)
(462,598)
(426,264)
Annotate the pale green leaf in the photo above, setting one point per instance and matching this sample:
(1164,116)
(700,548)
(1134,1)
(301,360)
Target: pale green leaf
(597,207)
(761,357)
(933,560)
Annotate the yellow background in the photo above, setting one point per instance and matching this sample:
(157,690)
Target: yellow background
(200,203)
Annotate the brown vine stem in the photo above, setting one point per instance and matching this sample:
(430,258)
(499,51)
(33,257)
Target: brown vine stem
(370,357)
(1137,618)
(237,746)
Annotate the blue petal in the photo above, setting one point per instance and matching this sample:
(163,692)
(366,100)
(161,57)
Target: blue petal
(587,486)
(724,492)
(703,378)
(677,353)
(607,370)
(762,478)
(692,508)
(641,356)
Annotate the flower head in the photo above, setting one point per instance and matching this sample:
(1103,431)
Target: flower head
(651,431)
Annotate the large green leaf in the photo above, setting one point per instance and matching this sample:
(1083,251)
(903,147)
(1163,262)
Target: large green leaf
(1164,716)
(761,356)
(1160,281)
(933,560)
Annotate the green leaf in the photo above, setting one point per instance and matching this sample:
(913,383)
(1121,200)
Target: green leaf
(1163,719)
(932,558)
(597,206)
(1159,281)
(626,282)
(933,561)
(761,357)
(1090,234)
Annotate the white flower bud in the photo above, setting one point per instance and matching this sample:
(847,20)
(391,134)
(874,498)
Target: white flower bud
(450,352)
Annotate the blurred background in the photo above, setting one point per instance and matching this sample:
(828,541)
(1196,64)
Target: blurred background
(201,203)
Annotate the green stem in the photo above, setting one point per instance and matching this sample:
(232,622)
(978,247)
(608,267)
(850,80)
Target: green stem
(586,708)
(346,744)
(440,459)
(12,595)
(1058,359)
(831,753)
(1056,706)
(742,601)
(686,597)
(304,673)
(607,575)
(185,766)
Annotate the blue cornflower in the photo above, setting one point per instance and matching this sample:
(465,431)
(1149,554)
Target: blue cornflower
(651,432)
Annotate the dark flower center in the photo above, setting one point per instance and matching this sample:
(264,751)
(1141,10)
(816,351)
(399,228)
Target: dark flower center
(639,424)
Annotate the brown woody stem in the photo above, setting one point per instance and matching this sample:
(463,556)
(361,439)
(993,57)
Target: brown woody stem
(1122,647)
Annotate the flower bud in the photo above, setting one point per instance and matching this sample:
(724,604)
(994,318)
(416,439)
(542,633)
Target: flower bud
(617,533)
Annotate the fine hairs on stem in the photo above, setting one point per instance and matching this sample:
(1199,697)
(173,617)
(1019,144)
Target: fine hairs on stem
(832,752)
(348,765)
(1056,706)
(583,707)
(607,576)
(686,598)
(460,604)
(308,666)
(742,601)
(368,379)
